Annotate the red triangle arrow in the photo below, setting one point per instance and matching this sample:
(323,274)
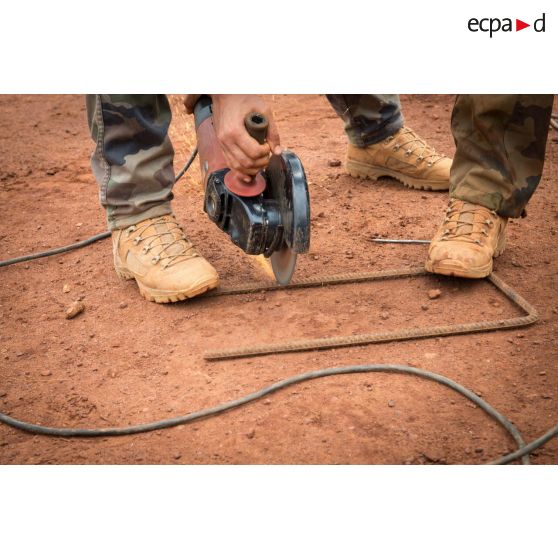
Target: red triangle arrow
(519,25)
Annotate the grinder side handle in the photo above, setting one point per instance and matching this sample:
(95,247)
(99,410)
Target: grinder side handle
(257,125)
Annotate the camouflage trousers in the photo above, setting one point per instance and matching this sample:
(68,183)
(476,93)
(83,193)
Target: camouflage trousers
(368,118)
(133,158)
(500,147)
(500,144)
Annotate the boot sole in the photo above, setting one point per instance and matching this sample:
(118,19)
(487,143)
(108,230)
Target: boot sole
(453,268)
(362,170)
(165,297)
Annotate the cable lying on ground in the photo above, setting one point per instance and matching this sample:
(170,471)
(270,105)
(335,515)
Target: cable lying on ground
(522,452)
(91,239)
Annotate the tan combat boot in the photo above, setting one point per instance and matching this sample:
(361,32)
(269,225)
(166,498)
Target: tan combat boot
(403,156)
(165,265)
(466,241)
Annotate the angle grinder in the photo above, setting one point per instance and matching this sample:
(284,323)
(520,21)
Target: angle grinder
(271,214)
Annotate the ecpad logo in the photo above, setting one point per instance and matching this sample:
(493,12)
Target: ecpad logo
(494,24)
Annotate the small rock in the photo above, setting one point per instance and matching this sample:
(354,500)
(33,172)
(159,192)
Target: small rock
(46,373)
(250,434)
(478,450)
(3,393)
(391,403)
(267,402)
(74,309)
(19,354)
(334,163)
(384,315)
(424,307)
(542,373)
(122,305)
(177,455)
(434,293)
(66,288)
(321,214)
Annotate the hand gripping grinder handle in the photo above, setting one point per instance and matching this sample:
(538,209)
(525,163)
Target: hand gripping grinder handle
(211,156)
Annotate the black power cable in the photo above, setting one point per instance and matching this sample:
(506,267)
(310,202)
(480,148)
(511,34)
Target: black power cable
(91,239)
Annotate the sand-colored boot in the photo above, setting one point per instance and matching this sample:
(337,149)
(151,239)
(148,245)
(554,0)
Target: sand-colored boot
(403,156)
(165,265)
(466,241)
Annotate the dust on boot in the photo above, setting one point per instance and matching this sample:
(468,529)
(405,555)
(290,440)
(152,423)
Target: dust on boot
(403,156)
(466,242)
(166,266)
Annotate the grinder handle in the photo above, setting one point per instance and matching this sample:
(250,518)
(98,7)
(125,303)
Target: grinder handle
(257,125)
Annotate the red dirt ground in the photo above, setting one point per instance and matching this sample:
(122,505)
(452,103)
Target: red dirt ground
(125,360)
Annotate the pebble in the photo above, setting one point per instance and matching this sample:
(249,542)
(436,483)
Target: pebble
(542,373)
(334,163)
(46,373)
(122,305)
(478,450)
(391,403)
(66,288)
(321,214)
(434,293)
(74,309)
(267,402)
(3,393)
(250,434)
(384,315)
(19,354)
(424,307)
(177,455)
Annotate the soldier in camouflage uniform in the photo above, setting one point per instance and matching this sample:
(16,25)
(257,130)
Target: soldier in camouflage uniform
(500,147)
(500,152)
(133,165)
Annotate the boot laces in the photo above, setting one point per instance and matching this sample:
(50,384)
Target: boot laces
(413,144)
(159,242)
(467,229)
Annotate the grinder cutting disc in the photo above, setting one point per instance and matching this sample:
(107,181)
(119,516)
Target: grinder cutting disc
(286,184)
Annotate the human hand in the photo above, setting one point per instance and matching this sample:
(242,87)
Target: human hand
(242,152)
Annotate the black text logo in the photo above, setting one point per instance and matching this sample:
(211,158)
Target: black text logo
(493,25)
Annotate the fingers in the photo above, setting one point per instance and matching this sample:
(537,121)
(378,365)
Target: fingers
(242,152)
(273,138)
(239,161)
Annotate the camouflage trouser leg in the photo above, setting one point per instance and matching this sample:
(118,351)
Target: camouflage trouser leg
(368,118)
(500,142)
(133,160)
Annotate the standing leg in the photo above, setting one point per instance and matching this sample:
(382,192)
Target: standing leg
(501,142)
(380,145)
(133,164)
